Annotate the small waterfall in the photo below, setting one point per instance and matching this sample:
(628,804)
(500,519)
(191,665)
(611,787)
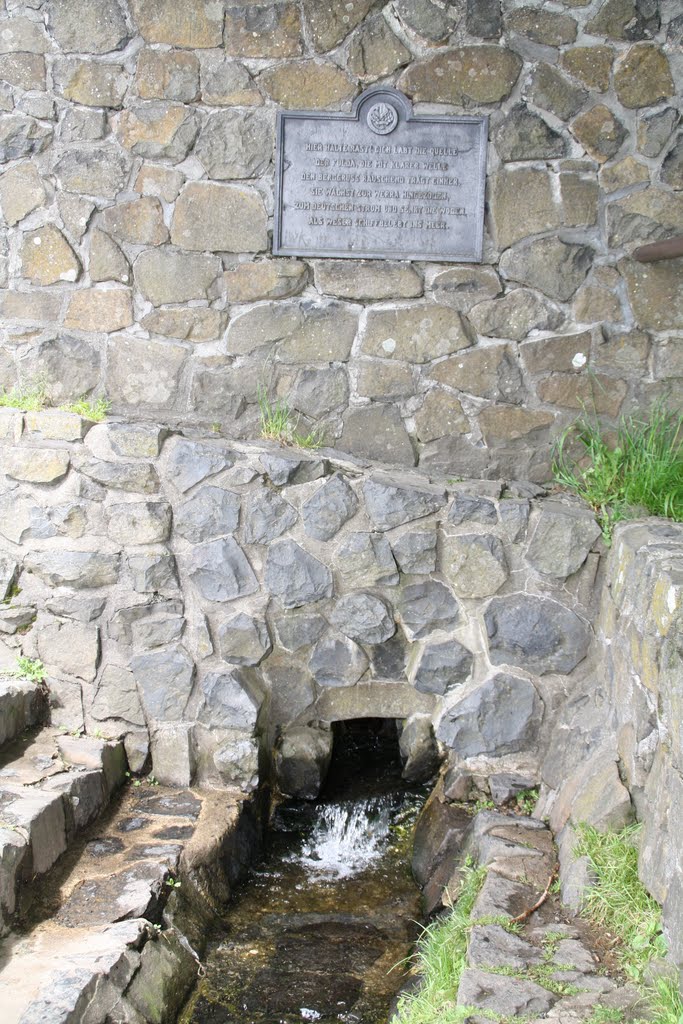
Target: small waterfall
(347,837)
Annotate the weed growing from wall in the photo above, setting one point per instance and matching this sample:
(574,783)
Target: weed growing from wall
(640,470)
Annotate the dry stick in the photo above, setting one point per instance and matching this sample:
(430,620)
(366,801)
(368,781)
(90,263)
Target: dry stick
(539,902)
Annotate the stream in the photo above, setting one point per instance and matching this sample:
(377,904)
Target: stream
(318,929)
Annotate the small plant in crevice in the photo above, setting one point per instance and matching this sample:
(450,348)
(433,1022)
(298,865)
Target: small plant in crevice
(28,395)
(638,471)
(95,410)
(525,801)
(31,669)
(278,423)
(173,883)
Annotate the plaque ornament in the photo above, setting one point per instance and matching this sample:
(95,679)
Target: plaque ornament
(380,182)
(382,118)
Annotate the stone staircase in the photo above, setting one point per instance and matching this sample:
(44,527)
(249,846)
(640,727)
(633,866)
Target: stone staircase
(552,965)
(121,934)
(52,786)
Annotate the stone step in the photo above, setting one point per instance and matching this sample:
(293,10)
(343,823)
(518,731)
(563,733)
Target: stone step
(51,788)
(23,704)
(117,946)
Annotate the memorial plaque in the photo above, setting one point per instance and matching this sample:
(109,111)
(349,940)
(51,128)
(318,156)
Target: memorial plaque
(380,183)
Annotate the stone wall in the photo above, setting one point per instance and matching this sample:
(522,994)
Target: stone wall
(137,198)
(616,751)
(198,595)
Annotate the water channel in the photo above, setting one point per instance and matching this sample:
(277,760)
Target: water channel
(316,931)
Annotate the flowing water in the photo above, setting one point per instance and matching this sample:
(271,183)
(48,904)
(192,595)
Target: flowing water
(317,931)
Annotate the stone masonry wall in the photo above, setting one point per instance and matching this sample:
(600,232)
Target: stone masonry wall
(198,596)
(137,139)
(616,750)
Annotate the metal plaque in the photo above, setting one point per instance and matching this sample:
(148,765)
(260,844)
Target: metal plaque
(380,183)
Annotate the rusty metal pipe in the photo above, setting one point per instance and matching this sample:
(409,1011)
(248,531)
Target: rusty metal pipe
(669,249)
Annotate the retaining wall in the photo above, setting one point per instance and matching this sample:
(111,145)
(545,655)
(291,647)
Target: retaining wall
(137,196)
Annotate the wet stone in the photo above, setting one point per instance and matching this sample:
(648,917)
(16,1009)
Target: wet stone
(133,824)
(364,617)
(295,576)
(425,608)
(104,847)
(178,805)
(535,633)
(329,508)
(441,667)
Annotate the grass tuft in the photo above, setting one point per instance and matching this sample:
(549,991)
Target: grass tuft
(29,396)
(440,959)
(279,424)
(639,471)
(665,1003)
(95,410)
(619,901)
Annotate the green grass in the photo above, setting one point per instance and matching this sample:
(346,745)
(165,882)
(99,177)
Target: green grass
(29,396)
(440,959)
(278,423)
(95,410)
(639,471)
(664,1002)
(619,901)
